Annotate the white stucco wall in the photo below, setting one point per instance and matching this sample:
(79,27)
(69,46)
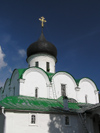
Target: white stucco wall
(45,123)
(87,87)
(2,123)
(10,85)
(34,78)
(14,83)
(5,90)
(64,78)
(42,59)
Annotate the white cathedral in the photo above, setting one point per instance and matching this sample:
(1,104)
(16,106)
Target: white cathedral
(39,100)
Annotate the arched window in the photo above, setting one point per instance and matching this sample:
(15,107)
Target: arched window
(36,92)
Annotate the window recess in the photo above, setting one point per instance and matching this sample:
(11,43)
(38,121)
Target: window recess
(63,89)
(86,99)
(33,119)
(48,66)
(37,64)
(67,122)
(36,92)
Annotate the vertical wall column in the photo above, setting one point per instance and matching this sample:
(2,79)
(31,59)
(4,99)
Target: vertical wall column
(21,86)
(77,90)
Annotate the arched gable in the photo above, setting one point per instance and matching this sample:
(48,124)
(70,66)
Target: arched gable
(14,84)
(66,74)
(6,87)
(88,91)
(15,73)
(7,82)
(64,79)
(83,80)
(34,69)
(35,79)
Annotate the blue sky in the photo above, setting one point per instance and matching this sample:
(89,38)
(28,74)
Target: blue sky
(73,26)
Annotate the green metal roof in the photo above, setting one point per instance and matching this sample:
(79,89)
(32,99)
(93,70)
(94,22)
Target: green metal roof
(21,71)
(77,81)
(50,75)
(35,104)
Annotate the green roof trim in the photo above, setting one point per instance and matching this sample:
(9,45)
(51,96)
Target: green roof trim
(21,71)
(35,104)
(50,75)
(78,80)
(64,72)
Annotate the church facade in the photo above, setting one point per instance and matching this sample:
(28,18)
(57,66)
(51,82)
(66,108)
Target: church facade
(39,99)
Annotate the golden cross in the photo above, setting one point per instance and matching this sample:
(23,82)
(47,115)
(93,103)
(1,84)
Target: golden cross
(42,21)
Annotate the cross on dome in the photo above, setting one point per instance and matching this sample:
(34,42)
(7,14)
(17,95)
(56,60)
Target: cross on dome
(42,19)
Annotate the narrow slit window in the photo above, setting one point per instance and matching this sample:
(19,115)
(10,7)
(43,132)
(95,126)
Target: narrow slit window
(48,66)
(37,64)
(63,90)
(36,92)
(86,98)
(33,119)
(66,120)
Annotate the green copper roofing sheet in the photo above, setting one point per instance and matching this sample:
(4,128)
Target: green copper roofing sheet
(21,71)
(77,81)
(35,104)
(50,75)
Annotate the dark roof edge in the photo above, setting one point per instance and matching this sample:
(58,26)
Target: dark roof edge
(44,112)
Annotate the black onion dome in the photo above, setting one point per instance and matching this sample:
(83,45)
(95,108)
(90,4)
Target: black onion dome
(42,46)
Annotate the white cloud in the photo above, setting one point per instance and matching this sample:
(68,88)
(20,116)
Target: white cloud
(22,52)
(2,62)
